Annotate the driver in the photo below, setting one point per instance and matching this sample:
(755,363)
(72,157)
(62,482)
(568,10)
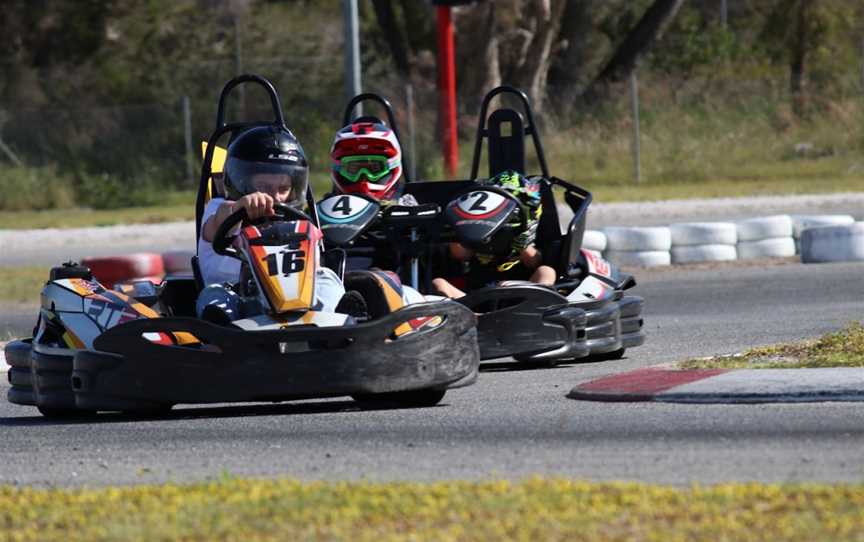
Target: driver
(265,165)
(493,264)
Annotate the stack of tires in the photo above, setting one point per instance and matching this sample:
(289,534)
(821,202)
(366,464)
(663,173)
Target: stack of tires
(594,240)
(638,247)
(698,242)
(765,237)
(841,243)
(802,222)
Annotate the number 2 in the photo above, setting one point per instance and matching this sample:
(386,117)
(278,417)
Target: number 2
(478,205)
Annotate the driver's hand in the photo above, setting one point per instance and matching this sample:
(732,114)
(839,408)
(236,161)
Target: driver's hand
(257,205)
(531,257)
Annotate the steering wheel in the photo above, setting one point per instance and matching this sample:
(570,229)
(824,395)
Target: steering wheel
(222,239)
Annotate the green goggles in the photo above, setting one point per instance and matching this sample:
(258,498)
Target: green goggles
(372,166)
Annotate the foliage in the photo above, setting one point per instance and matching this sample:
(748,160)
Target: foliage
(22,284)
(844,348)
(94,88)
(35,188)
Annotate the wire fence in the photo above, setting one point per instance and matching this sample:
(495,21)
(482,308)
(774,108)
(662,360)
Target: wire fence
(690,129)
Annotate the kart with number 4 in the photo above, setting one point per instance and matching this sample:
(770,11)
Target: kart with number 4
(585,315)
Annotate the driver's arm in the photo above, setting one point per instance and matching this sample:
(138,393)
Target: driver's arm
(257,205)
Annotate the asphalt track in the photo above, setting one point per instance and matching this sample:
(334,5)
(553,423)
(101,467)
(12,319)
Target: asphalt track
(511,424)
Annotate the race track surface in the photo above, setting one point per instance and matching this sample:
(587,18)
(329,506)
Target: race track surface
(511,424)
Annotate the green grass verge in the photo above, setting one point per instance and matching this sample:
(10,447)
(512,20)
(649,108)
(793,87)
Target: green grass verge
(844,348)
(22,284)
(535,509)
(175,206)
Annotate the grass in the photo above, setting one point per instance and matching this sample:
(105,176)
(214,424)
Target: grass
(535,509)
(844,348)
(692,146)
(22,284)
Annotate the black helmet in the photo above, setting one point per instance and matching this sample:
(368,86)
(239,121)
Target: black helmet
(266,150)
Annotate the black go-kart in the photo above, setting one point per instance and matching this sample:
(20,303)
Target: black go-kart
(141,348)
(585,315)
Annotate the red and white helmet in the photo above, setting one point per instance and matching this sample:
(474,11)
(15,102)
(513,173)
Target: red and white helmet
(367,160)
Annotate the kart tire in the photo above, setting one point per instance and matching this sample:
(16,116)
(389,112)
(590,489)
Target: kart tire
(802,222)
(52,386)
(766,227)
(833,243)
(609,356)
(637,239)
(639,258)
(427,397)
(780,247)
(17,355)
(703,233)
(594,240)
(704,253)
(527,362)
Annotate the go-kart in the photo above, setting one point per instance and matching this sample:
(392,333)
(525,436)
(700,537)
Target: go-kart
(585,314)
(143,349)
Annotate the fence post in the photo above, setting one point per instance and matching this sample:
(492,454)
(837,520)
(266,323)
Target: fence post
(352,52)
(412,148)
(187,138)
(634,107)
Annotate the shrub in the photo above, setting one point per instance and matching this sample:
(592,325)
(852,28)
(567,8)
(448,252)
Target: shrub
(40,188)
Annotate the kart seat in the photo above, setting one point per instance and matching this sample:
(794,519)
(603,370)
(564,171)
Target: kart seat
(381,290)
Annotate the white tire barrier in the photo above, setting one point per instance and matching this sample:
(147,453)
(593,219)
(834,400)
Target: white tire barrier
(802,222)
(704,253)
(652,239)
(177,261)
(833,243)
(766,227)
(703,233)
(594,240)
(779,247)
(639,258)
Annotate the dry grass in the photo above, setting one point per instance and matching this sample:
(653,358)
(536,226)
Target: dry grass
(844,348)
(535,509)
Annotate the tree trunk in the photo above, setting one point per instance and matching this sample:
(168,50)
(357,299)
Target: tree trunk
(532,74)
(798,58)
(478,68)
(396,41)
(568,69)
(647,31)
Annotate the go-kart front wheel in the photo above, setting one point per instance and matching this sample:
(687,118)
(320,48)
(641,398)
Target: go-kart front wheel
(415,398)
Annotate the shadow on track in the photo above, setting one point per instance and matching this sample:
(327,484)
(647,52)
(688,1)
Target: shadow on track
(206,412)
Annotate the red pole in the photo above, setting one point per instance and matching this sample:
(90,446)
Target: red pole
(447,90)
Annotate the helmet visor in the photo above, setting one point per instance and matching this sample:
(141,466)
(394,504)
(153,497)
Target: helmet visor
(271,178)
(374,167)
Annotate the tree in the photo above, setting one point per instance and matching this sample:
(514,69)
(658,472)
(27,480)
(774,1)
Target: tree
(638,41)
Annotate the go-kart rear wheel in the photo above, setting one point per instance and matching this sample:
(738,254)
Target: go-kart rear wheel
(415,398)
(609,356)
(528,361)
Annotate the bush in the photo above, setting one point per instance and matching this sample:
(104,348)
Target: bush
(35,189)
(104,191)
